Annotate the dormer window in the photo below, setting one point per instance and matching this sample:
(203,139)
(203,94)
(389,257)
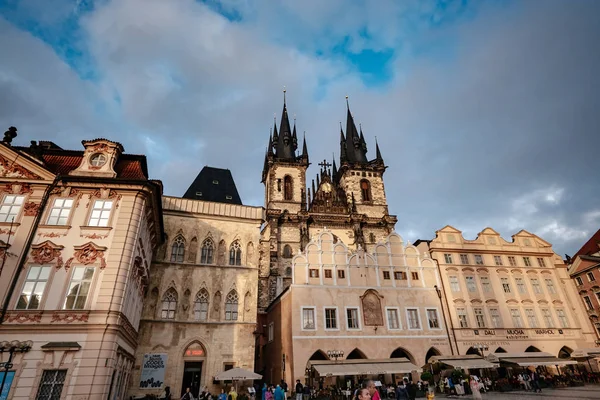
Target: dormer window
(215,182)
(97,160)
(199,194)
(228,197)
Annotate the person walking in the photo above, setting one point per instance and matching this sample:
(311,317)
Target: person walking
(269,393)
(279,393)
(232,394)
(401,392)
(535,382)
(475,389)
(373,390)
(411,389)
(299,390)
(187,395)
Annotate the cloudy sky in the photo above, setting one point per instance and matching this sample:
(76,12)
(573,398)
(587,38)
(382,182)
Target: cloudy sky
(487,112)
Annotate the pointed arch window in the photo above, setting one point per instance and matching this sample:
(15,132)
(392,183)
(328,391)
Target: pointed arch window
(288,193)
(231,306)
(287,251)
(169,304)
(193,251)
(178,249)
(201,306)
(235,254)
(365,190)
(208,247)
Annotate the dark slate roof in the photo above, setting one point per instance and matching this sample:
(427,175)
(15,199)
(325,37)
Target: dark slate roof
(214,184)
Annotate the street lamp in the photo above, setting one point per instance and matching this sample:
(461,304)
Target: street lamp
(12,348)
(335,354)
(482,348)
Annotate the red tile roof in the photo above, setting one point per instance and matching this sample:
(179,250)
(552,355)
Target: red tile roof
(590,247)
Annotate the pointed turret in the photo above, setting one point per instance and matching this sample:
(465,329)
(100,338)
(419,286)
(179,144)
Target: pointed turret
(335,171)
(275,135)
(355,150)
(378,152)
(294,137)
(304,154)
(343,156)
(270,146)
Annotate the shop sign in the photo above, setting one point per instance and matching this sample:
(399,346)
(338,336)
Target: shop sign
(516,334)
(194,353)
(153,371)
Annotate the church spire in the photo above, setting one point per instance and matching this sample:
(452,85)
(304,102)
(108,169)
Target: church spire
(304,148)
(377,151)
(355,150)
(285,145)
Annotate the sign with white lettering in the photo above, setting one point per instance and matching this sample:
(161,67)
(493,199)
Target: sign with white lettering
(153,371)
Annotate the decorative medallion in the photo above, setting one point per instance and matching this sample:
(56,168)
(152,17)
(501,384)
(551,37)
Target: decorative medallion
(23,317)
(46,252)
(31,209)
(88,254)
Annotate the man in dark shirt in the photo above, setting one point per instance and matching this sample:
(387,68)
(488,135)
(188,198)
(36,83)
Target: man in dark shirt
(299,390)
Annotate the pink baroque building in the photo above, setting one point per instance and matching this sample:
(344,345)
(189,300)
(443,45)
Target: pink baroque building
(78,229)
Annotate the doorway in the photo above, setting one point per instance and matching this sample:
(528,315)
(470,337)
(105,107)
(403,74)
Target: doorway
(192,373)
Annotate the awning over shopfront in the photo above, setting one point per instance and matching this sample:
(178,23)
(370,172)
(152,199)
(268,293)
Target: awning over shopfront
(533,359)
(593,352)
(464,362)
(363,367)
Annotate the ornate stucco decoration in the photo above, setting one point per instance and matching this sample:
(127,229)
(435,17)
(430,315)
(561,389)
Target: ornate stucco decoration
(11,169)
(87,254)
(371,304)
(23,317)
(30,209)
(105,194)
(99,158)
(17,188)
(46,252)
(69,317)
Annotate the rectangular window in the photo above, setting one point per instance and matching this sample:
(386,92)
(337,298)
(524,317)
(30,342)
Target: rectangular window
(512,261)
(505,285)
(471,287)
(588,303)
(516,318)
(597,325)
(541,262)
(498,260)
(51,384)
(341,274)
(527,261)
(598,296)
(448,258)
(100,213)
(478,259)
(462,317)
(79,288)
(415,276)
(464,259)
(535,284)
(400,276)
(520,285)
(386,274)
(485,284)
(479,317)
(313,272)
(550,285)
(352,318)
(495,316)
(330,318)
(591,277)
(579,281)
(10,207)
(432,318)
(454,284)
(547,315)
(531,318)
(308,318)
(271,332)
(327,273)
(200,309)
(562,318)
(413,318)
(33,288)
(59,213)
(393,321)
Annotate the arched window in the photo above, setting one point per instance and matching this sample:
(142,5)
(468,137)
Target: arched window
(231,306)
(372,237)
(193,250)
(287,251)
(206,257)
(178,249)
(365,190)
(235,254)
(201,306)
(287,188)
(169,304)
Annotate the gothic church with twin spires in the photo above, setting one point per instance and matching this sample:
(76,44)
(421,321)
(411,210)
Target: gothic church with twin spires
(348,201)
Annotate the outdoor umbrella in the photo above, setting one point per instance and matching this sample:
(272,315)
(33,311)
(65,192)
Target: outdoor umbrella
(237,374)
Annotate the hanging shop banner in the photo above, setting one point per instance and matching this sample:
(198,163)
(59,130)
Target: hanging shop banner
(153,371)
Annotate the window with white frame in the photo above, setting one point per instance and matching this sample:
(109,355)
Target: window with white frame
(454,286)
(591,277)
(479,317)
(169,304)
(478,259)
(588,303)
(308,319)
(517,321)
(498,260)
(231,306)
(201,306)
(10,207)
(535,284)
(495,317)
(271,332)
(541,262)
(471,287)
(485,284)
(59,213)
(51,384)
(313,273)
(331,318)
(520,285)
(392,317)
(206,253)
(464,259)
(79,288)
(562,318)
(512,261)
(461,312)
(579,281)
(527,261)
(400,275)
(33,288)
(329,275)
(412,315)
(432,318)
(547,315)
(100,213)
(448,258)
(505,285)
(531,318)
(352,321)
(235,253)
(550,285)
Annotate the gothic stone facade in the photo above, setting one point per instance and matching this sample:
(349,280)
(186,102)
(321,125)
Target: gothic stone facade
(202,302)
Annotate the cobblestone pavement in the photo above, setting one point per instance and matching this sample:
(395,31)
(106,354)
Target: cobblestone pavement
(584,393)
